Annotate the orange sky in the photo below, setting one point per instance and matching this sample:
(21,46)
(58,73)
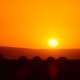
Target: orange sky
(32,23)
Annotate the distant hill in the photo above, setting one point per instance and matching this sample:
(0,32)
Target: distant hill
(14,53)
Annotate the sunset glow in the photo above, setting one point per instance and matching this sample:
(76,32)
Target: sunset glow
(32,23)
(53,43)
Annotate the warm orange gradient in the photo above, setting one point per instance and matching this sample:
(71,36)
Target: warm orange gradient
(32,23)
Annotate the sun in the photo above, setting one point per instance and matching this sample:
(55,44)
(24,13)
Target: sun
(53,43)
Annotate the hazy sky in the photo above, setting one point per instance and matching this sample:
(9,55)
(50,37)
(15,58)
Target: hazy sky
(32,23)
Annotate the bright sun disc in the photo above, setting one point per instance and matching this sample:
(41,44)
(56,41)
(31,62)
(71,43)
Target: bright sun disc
(53,43)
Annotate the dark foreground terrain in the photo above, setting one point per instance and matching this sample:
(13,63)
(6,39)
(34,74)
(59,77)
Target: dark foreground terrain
(15,66)
(37,69)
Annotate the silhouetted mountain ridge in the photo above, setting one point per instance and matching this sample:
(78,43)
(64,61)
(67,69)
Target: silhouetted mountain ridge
(14,53)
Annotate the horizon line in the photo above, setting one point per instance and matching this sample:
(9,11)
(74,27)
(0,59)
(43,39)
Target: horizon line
(42,48)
